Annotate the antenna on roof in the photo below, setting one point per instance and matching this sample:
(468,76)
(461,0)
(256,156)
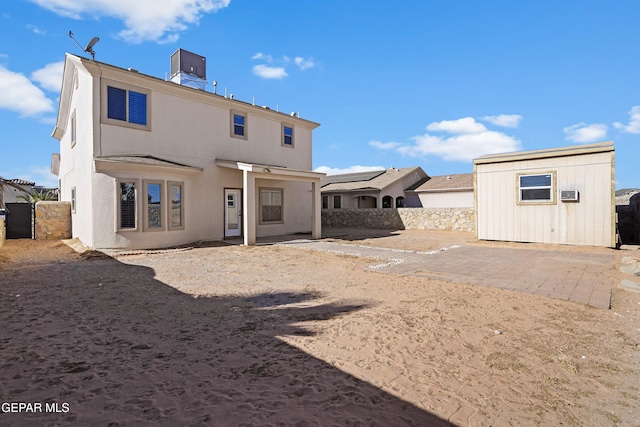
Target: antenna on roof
(90,45)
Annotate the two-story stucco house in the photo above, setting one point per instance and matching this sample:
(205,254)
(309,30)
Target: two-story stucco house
(150,163)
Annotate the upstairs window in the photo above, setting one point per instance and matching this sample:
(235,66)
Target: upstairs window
(238,125)
(127,105)
(287,135)
(536,188)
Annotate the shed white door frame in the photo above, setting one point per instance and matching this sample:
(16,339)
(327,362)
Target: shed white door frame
(250,172)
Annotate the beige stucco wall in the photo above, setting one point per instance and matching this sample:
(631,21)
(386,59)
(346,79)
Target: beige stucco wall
(188,127)
(590,221)
(451,199)
(53,220)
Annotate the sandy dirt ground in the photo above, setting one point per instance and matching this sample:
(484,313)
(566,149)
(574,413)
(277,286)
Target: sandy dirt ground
(270,335)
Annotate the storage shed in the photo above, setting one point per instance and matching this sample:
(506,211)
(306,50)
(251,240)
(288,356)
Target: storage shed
(562,195)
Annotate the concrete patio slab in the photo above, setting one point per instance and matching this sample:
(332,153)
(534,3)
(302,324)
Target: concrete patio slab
(568,275)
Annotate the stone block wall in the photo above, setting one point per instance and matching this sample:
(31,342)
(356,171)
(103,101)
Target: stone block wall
(458,219)
(53,220)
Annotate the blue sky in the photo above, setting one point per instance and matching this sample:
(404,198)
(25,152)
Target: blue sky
(409,83)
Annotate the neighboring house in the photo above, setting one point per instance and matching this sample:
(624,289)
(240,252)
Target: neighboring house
(10,194)
(377,189)
(446,191)
(562,195)
(150,163)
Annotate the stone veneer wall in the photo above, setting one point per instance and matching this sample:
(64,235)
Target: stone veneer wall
(53,220)
(449,219)
(2,232)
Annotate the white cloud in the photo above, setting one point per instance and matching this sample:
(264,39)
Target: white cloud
(262,56)
(384,145)
(351,169)
(504,120)
(303,63)
(21,95)
(267,72)
(634,122)
(581,132)
(144,20)
(36,30)
(463,126)
(279,71)
(49,77)
(463,140)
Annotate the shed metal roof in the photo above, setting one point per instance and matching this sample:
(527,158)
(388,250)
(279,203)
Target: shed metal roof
(600,147)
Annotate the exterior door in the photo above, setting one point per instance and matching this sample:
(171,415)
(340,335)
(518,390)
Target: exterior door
(232,212)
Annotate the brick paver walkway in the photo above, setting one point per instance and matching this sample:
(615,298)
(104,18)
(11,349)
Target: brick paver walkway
(573,276)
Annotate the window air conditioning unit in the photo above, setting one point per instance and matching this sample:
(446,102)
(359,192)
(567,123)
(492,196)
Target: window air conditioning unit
(569,195)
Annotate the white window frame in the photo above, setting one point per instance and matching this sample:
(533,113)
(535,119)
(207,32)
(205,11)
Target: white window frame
(245,126)
(552,192)
(281,191)
(145,205)
(325,201)
(169,207)
(118,207)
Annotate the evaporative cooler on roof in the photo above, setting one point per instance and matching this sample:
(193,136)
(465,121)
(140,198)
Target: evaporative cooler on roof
(189,69)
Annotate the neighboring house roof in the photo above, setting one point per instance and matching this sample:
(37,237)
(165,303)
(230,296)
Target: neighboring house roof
(574,150)
(441,183)
(350,177)
(20,182)
(368,180)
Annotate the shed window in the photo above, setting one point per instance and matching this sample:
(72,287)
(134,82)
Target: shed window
(536,188)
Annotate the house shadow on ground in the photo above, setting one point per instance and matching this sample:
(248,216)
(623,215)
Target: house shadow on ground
(122,348)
